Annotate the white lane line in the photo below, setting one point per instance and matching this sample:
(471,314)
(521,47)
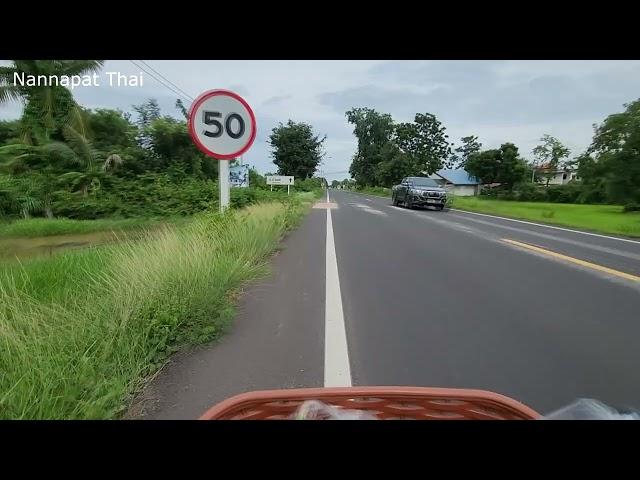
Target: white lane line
(367,208)
(337,372)
(557,238)
(548,226)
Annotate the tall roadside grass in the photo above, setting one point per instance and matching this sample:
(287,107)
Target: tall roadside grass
(78,332)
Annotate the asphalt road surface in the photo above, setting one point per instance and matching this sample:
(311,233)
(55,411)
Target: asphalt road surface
(364,293)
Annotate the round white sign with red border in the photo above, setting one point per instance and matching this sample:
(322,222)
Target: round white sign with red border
(222,124)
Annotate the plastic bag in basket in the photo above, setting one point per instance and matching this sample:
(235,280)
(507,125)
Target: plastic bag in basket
(315,410)
(588,409)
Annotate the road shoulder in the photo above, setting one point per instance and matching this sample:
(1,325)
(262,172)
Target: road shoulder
(275,341)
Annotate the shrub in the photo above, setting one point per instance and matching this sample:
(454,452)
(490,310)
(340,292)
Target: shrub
(505,195)
(632,207)
(308,184)
(564,193)
(146,195)
(569,193)
(242,197)
(593,194)
(527,192)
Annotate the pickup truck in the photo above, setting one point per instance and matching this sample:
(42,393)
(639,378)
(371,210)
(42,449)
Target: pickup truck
(419,191)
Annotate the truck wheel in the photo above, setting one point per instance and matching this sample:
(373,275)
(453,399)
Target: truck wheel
(440,207)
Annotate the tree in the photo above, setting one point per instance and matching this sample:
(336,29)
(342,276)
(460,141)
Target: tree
(395,166)
(425,140)
(373,131)
(47,108)
(388,152)
(296,150)
(9,131)
(593,177)
(110,130)
(469,146)
(256,180)
(148,112)
(615,131)
(335,184)
(549,155)
(33,171)
(512,166)
(348,183)
(180,106)
(623,184)
(616,146)
(33,174)
(502,165)
(79,151)
(170,143)
(8,195)
(23,195)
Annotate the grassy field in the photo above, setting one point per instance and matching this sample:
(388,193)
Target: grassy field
(81,330)
(41,227)
(598,218)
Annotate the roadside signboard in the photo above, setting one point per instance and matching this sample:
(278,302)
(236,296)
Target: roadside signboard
(279,180)
(223,126)
(239,176)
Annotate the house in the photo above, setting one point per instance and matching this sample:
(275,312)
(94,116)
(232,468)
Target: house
(459,182)
(560,176)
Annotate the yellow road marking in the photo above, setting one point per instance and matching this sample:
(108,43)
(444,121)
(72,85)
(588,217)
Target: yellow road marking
(577,261)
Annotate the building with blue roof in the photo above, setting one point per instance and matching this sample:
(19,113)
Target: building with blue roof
(458,181)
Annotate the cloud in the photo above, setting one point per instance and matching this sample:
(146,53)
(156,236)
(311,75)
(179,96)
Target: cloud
(275,100)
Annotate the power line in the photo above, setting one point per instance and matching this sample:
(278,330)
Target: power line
(161,82)
(167,80)
(182,95)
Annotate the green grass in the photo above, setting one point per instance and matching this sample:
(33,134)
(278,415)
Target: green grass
(40,227)
(598,218)
(80,331)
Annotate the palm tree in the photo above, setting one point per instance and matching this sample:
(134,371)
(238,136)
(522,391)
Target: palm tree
(47,108)
(78,150)
(34,191)
(23,195)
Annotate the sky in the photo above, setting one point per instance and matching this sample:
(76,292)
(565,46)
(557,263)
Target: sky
(498,100)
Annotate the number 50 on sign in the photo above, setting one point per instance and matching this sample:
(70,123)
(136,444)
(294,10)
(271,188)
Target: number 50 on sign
(222,124)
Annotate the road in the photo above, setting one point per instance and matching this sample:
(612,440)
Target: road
(364,293)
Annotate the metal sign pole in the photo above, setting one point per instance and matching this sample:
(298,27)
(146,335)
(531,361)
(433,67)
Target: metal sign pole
(223,180)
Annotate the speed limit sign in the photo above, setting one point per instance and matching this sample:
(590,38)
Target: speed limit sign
(222,125)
